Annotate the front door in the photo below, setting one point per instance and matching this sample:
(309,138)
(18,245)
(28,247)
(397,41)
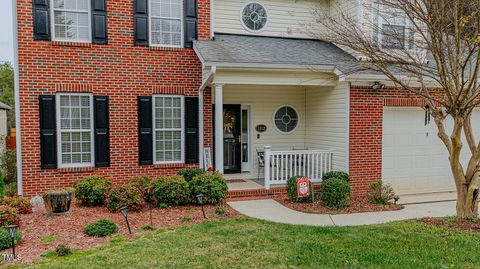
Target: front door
(232,131)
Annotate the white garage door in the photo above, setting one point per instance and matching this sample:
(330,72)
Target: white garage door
(414,160)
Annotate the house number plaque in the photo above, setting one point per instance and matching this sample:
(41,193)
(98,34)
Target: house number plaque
(261,128)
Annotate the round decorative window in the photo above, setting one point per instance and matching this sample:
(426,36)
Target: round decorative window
(286,119)
(254,16)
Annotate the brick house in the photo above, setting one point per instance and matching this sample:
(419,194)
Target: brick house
(133,87)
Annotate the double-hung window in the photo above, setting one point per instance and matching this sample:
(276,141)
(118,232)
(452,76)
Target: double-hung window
(75,130)
(166,24)
(393,29)
(168,133)
(71,20)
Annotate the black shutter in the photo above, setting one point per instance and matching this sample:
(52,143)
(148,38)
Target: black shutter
(41,20)
(145,132)
(141,22)
(99,22)
(191,12)
(48,136)
(191,130)
(102,132)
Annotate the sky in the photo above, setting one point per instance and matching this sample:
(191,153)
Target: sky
(6,31)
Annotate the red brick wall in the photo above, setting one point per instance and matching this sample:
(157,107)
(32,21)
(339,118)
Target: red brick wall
(366,117)
(120,70)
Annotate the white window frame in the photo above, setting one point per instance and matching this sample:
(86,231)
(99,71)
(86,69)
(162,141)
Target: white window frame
(59,133)
(52,23)
(381,21)
(182,127)
(298,118)
(182,34)
(243,23)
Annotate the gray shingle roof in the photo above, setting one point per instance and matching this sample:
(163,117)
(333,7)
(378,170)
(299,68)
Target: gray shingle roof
(273,50)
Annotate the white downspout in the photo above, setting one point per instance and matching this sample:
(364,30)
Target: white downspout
(201,124)
(212,19)
(17,99)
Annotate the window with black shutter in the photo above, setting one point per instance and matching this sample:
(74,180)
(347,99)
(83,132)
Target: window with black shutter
(102,133)
(191,130)
(48,137)
(145,133)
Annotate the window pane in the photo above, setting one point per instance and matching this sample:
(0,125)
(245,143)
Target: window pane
(393,36)
(71,19)
(166,25)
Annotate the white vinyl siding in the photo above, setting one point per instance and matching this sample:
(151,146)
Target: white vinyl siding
(71,20)
(75,130)
(286,18)
(327,122)
(168,124)
(166,23)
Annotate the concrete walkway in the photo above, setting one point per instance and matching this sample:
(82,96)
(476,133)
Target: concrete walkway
(271,210)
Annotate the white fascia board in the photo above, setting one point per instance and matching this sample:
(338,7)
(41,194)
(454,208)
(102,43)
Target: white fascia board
(267,66)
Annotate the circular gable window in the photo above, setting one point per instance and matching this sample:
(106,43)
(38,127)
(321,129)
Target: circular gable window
(254,17)
(286,119)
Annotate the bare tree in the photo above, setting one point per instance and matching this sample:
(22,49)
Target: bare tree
(429,49)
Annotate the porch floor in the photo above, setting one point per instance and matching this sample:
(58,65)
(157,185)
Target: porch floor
(244,184)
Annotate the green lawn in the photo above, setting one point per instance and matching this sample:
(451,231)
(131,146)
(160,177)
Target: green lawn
(248,243)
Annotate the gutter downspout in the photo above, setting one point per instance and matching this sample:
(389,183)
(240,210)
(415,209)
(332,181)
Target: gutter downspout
(17,99)
(201,124)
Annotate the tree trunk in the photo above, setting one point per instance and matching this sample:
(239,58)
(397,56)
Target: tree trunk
(467,199)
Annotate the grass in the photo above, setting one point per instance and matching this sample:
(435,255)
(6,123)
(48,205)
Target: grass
(248,243)
(49,239)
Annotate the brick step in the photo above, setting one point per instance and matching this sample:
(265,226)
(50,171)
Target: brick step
(254,194)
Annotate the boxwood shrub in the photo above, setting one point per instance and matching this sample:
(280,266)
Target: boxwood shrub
(336,174)
(170,190)
(212,186)
(101,228)
(6,241)
(292,191)
(190,173)
(8,216)
(119,196)
(91,190)
(335,192)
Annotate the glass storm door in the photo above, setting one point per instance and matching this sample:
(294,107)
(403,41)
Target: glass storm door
(232,130)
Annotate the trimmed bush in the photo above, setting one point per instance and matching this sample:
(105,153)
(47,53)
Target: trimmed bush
(140,182)
(292,191)
(335,193)
(124,195)
(213,187)
(8,216)
(10,189)
(336,174)
(380,193)
(2,185)
(6,241)
(91,190)
(22,204)
(190,173)
(101,228)
(170,190)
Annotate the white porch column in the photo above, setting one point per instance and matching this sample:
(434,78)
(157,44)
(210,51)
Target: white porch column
(266,167)
(219,128)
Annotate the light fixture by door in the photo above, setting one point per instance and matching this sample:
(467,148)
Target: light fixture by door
(378,86)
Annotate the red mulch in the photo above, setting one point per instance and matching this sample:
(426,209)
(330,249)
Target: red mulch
(69,228)
(355,206)
(463,225)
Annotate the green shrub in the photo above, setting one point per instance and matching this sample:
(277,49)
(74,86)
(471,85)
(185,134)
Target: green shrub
(8,216)
(101,228)
(10,189)
(335,192)
(63,250)
(6,241)
(380,193)
(190,173)
(124,195)
(2,185)
(336,174)
(91,190)
(212,186)
(292,191)
(170,190)
(22,204)
(9,165)
(140,182)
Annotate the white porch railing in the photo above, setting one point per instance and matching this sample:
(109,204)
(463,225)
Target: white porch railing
(281,165)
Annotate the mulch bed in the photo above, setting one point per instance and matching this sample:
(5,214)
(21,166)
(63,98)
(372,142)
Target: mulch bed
(355,206)
(69,227)
(463,225)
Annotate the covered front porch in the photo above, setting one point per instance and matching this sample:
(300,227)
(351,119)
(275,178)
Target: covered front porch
(272,121)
